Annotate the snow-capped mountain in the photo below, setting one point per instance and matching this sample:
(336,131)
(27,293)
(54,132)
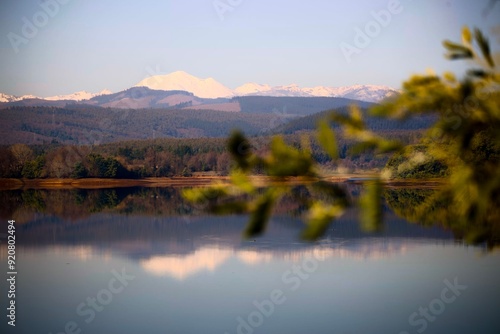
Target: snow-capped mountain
(209,88)
(78,96)
(251,88)
(288,90)
(368,93)
(14,98)
(180,80)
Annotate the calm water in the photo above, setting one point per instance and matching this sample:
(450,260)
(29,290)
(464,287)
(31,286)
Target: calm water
(142,261)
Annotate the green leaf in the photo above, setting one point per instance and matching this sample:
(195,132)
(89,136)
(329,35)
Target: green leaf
(234,207)
(354,120)
(466,35)
(484,45)
(334,191)
(205,194)
(477,73)
(361,147)
(285,160)
(319,218)
(260,214)
(450,77)
(326,138)
(386,146)
(457,56)
(458,49)
(371,206)
(242,181)
(240,149)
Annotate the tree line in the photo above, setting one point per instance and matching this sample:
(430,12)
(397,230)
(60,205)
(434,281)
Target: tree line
(166,157)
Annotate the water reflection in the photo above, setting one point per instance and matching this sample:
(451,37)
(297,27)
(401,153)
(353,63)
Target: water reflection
(30,206)
(189,265)
(169,236)
(422,206)
(210,258)
(181,246)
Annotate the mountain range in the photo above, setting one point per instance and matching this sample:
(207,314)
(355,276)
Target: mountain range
(181,81)
(210,88)
(77,96)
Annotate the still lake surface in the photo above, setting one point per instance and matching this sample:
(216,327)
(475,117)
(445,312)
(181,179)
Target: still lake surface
(143,261)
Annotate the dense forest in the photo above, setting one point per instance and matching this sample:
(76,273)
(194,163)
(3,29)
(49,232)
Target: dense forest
(160,158)
(293,105)
(131,159)
(377,124)
(165,157)
(88,125)
(141,113)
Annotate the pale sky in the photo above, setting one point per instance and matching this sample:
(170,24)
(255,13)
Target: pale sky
(96,44)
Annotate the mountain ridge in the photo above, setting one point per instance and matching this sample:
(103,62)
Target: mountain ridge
(209,88)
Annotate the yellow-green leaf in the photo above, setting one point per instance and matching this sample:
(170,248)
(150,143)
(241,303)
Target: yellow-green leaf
(242,181)
(466,35)
(371,206)
(484,45)
(319,218)
(326,138)
(260,214)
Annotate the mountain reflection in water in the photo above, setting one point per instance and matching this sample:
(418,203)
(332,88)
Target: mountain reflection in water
(190,265)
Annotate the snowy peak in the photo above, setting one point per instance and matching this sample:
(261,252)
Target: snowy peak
(368,93)
(251,88)
(210,88)
(7,98)
(180,80)
(78,96)
(14,98)
(104,92)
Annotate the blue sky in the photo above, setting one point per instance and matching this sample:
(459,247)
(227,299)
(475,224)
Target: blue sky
(96,44)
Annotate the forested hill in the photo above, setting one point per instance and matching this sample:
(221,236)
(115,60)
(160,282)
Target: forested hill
(310,122)
(93,125)
(87,124)
(294,106)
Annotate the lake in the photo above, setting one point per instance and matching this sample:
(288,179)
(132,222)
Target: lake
(141,260)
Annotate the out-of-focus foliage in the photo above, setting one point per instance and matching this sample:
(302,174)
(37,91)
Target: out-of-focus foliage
(371,206)
(429,208)
(464,143)
(415,162)
(280,163)
(462,146)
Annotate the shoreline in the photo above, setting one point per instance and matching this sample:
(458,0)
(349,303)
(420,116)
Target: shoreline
(99,183)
